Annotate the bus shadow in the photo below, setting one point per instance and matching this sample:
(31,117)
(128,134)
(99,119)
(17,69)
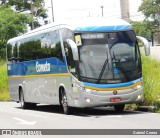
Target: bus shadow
(103,111)
(85,112)
(46,108)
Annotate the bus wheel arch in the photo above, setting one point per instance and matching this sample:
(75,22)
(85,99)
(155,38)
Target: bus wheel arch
(61,88)
(24,105)
(21,98)
(19,91)
(63,100)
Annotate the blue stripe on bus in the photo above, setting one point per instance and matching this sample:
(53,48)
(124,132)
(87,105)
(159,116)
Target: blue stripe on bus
(29,67)
(103,28)
(117,85)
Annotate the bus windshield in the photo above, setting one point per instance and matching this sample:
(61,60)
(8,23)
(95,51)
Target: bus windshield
(109,57)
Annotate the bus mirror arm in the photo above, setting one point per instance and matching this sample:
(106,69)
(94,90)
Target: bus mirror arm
(146,45)
(74,48)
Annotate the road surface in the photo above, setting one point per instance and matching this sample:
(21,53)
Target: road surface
(52,117)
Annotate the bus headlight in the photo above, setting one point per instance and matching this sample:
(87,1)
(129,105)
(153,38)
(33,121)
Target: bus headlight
(90,90)
(81,88)
(138,87)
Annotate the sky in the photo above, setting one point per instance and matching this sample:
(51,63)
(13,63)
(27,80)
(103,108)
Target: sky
(72,9)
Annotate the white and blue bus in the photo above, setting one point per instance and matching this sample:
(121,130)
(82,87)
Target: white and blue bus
(88,63)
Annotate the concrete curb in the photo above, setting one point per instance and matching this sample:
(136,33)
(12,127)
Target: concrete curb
(146,108)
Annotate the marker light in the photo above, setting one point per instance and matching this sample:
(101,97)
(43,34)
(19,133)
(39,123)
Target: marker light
(139,96)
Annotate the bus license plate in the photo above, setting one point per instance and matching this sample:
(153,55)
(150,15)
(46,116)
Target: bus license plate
(117,99)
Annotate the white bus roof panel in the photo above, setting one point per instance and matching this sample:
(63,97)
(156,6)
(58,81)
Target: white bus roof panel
(96,24)
(101,24)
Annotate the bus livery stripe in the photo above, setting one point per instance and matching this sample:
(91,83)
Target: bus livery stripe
(110,87)
(40,75)
(102,28)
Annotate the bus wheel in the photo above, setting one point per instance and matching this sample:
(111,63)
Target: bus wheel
(64,103)
(119,108)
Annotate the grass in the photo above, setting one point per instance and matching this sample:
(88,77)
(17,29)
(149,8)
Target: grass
(4,92)
(151,76)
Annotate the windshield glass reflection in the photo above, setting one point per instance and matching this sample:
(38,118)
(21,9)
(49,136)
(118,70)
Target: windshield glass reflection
(109,58)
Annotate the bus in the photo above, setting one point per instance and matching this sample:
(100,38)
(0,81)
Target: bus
(91,62)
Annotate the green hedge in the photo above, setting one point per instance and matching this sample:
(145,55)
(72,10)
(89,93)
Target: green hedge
(151,77)
(4,92)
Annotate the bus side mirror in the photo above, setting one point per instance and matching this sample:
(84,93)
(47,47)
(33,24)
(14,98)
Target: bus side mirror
(74,48)
(146,45)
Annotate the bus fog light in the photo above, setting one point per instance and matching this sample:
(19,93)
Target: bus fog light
(88,100)
(139,96)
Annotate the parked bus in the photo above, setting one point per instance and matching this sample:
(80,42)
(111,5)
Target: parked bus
(87,63)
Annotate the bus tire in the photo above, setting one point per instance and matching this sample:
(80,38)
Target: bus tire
(119,108)
(64,103)
(25,105)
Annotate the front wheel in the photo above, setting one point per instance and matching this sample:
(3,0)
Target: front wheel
(64,103)
(119,108)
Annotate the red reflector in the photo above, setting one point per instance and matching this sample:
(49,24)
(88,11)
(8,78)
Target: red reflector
(118,99)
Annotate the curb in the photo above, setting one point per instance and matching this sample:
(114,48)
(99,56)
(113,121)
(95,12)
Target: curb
(146,108)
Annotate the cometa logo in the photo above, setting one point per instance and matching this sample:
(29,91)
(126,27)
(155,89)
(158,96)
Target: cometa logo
(43,67)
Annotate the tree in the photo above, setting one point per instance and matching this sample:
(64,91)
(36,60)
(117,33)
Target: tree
(144,28)
(12,24)
(36,7)
(151,10)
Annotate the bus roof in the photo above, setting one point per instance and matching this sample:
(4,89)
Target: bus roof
(100,24)
(96,24)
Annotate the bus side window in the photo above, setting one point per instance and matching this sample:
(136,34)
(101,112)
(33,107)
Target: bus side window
(51,46)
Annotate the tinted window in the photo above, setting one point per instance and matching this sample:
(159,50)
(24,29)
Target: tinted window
(41,46)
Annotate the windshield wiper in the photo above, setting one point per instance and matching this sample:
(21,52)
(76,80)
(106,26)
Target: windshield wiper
(103,68)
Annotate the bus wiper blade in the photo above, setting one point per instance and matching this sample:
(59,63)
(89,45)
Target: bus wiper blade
(103,68)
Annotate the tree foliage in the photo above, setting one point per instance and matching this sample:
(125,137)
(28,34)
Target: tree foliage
(151,9)
(36,7)
(144,28)
(11,25)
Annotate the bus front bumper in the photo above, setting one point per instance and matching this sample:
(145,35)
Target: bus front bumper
(107,98)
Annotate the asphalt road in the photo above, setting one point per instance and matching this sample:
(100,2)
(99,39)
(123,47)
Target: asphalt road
(52,117)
